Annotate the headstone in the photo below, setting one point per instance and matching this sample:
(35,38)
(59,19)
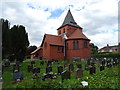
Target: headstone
(30,68)
(42,63)
(15,67)
(88,61)
(60,70)
(7,63)
(65,75)
(48,69)
(71,67)
(36,70)
(33,63)
(92,69)
(79,73)
(103,62)
(51,76)
(86,67)
(109,65)
(79,66)
(17,76)
(102,68)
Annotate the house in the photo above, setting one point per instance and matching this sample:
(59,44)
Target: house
(112,49)
(70,43)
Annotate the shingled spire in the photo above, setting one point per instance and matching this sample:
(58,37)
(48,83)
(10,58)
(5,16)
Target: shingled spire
(69,20)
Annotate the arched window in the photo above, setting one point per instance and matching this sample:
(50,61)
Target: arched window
(75,45)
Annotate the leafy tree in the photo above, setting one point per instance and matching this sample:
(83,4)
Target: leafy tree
(94,49)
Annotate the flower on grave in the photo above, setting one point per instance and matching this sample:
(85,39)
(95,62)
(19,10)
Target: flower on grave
(84,83)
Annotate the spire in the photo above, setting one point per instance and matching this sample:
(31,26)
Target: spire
(69,20)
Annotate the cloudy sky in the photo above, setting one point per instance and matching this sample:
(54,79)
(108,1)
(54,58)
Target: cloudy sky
(98,18)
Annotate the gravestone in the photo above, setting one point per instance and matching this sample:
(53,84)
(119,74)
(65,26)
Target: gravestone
(109,65)
(103,62)
(33,63)
(92,70)
(16,67)
(42,63)
(79,66)
(36,70)
(30,68)
(7,63)
(86,67)
(60,70)
(102,68)
(79,73)
(65,75)
(71,67)
(88,61)
(17,76)
(51,76)
(48,69)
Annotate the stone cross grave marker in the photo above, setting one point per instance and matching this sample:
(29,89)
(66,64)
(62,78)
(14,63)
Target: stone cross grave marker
(17,76)
(79,73)
(60,70)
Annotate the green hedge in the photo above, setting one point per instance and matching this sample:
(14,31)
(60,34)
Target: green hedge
(106,55)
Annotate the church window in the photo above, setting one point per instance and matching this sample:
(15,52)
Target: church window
(63,30)
(85,44)
(62,49)
(58,49)
(75,45)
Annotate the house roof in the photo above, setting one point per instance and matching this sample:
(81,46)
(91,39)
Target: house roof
(69,20)
(36,50)
(109,47)
(53,40)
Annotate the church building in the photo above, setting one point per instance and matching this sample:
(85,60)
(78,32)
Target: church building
(69,44)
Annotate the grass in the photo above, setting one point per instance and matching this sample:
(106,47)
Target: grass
(102,79)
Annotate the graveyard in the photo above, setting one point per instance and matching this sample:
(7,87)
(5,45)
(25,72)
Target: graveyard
(91,73)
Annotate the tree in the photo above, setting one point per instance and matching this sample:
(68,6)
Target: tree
(5,37)
(20,42)
(94,49)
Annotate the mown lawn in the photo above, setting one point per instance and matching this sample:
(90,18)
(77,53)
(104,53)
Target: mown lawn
(102,79)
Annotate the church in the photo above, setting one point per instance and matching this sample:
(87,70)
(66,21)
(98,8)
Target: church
(69,44)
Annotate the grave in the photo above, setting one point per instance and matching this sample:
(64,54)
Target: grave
(42,63)
(86,67)
(17,76)
(65,75)
(102,68)
(88,61)
(16,67)
(71,67)
(79,73)
(79,66)
(36,70)
(60,70)
(51,76)
(30,68)
(48,69)
(92,70)
(33,63)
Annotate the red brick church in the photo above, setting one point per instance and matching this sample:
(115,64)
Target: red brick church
(70,43)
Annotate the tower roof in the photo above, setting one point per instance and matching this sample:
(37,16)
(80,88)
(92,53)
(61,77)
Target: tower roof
(69,20)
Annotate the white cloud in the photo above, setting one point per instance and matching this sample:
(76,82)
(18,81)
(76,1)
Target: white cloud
(97,17)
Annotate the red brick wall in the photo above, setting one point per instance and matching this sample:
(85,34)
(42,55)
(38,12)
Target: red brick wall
(82,52)
(54,54)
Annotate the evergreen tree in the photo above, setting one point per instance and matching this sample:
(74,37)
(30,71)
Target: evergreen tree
(94,49)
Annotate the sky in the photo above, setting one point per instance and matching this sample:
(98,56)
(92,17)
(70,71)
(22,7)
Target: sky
(98,18)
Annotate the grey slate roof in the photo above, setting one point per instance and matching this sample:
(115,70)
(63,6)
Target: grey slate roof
(69,20)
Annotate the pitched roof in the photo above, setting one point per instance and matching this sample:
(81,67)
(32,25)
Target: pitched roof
(109,47)
(69,20)
(53,40)
(35,50)
(77,34)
